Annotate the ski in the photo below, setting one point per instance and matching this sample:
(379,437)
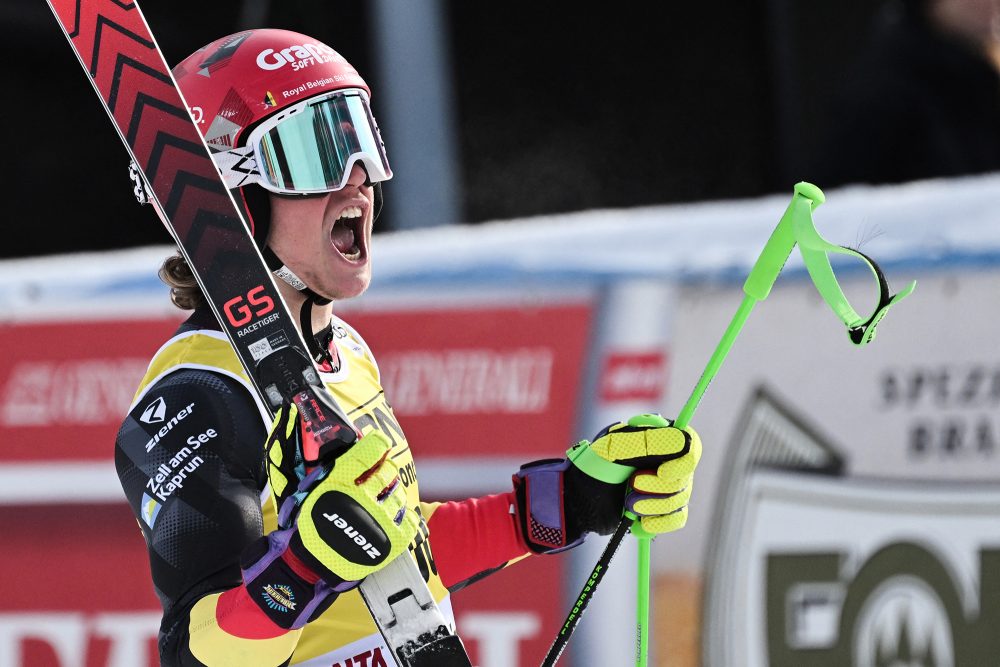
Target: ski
(173,167)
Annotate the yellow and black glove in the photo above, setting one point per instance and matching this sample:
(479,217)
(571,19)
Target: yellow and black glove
(337,523)
(561,500)
(665,458)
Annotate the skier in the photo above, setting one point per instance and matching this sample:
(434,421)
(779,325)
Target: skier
(206,470)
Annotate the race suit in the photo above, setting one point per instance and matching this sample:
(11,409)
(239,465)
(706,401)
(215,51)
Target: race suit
(190,458)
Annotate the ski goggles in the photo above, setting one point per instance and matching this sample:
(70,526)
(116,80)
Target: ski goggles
(310,147)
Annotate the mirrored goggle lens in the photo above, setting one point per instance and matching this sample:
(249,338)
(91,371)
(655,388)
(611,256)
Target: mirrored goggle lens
(314,149)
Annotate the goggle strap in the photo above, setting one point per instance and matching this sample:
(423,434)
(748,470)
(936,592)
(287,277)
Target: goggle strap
(238,167)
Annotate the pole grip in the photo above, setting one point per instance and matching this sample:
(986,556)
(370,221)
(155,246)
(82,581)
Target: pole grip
(772,259)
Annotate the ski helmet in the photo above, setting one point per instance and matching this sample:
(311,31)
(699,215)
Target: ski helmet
(284,111)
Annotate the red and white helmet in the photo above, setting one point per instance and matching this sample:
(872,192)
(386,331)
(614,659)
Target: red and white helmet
(282,110)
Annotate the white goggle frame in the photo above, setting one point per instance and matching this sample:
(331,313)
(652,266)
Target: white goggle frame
(310,147)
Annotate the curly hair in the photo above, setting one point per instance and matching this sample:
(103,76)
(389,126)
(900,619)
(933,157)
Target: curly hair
(185,293)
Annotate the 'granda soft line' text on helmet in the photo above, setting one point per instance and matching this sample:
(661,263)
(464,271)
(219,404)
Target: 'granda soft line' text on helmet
(281,110)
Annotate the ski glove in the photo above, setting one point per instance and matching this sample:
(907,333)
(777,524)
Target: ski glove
(337,523)
(560,501)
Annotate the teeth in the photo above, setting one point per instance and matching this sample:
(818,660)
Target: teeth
(350,212)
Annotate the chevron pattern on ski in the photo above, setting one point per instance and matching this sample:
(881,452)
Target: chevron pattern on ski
(76,14)
(121,62)
(127,69)
(169,158)
(103,22)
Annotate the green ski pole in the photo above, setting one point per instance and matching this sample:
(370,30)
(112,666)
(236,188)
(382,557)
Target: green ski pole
(796,227)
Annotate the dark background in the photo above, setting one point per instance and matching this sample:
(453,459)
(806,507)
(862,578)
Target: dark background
(560,106)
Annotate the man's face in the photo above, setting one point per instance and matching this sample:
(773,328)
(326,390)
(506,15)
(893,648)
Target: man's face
(326,239)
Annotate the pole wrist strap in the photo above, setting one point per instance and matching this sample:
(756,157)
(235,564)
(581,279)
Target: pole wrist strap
(596,466)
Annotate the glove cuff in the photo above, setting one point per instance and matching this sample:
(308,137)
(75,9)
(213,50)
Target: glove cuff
(538,487)
(285,590)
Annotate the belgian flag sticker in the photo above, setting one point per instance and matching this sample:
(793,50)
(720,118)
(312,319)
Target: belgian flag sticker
(269,100)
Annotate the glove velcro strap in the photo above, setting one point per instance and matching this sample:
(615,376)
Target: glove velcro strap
(285,596)
(596,466)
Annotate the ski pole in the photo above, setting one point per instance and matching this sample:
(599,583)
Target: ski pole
(795,227)
(631,521)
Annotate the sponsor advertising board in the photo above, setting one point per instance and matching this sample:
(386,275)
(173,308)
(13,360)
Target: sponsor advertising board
(855,491)
(814,567)
(467,384)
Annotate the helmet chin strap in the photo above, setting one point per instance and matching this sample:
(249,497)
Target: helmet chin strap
(318,349)
(378,200)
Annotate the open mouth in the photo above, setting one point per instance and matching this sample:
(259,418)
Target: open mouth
(348,233)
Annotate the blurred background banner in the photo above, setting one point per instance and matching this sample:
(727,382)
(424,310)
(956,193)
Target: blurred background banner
(845,505)
(577,198)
